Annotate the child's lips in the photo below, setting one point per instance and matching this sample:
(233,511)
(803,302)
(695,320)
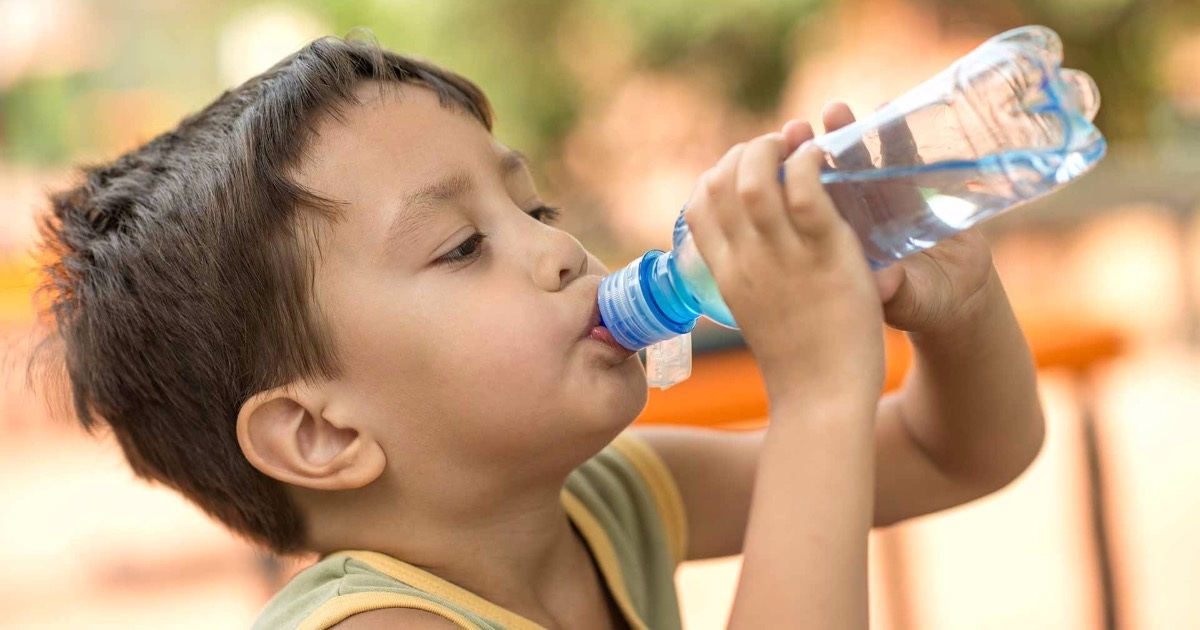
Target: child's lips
(596,331)
(601,334)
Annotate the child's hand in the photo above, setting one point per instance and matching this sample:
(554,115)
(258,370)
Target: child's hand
(931,290)
(791,270)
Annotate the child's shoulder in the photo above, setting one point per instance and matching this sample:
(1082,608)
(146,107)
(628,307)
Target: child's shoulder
(346,583)
(630,486)
(315,587)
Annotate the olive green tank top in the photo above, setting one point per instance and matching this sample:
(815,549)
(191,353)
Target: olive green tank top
(623,502)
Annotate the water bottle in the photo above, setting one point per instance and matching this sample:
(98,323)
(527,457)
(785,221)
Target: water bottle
(1001,126)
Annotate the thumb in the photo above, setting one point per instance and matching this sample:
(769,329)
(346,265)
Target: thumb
(889,280)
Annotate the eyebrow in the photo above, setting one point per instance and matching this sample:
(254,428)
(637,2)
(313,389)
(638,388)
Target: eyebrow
(419,207)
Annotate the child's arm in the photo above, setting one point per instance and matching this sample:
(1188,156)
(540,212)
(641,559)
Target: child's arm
(967,420)
(794,276)
(966,423)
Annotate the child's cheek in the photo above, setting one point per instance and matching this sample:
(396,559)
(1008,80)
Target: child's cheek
(516,335)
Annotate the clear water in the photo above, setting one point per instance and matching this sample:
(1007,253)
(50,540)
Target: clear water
(900,211)
(698,283)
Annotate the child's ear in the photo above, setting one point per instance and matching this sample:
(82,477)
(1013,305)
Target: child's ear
(285,433)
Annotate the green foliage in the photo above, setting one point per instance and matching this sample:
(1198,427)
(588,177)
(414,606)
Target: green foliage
(34,120)
(520,52)
(746,45)
(514,48)
(506,46)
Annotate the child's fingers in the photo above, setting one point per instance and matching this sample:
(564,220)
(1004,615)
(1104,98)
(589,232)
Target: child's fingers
(758,189)
(897,146)
(834,117)
(808,206)
(862,204)
(716,191)
(795,133)
(899,149)
(710,227)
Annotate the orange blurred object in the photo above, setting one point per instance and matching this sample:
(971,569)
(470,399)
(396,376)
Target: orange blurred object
(726,388)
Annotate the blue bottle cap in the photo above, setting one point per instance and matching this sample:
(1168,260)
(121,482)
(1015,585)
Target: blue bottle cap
(628,308)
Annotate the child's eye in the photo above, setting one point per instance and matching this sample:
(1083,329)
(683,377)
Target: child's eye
(468,250)
(546,214)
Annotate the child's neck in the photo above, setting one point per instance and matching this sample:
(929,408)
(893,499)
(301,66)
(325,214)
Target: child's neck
(513,547)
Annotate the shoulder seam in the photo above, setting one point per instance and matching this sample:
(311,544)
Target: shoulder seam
(342,607)
(661,484)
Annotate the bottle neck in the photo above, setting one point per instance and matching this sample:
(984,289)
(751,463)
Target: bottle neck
(645,303)
(670,295)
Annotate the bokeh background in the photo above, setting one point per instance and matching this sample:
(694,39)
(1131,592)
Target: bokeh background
(622,104)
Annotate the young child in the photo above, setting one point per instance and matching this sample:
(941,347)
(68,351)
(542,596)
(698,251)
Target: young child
(333,311)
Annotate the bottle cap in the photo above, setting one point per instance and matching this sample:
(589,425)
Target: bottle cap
(628,308)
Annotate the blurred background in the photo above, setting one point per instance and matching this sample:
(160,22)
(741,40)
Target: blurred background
(621,104)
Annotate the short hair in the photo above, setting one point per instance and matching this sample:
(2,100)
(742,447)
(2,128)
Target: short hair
(179,279)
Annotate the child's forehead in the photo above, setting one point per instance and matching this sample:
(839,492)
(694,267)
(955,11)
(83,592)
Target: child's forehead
(400,130)
(401,115)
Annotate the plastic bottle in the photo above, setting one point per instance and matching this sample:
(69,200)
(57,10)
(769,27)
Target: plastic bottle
(1002,125)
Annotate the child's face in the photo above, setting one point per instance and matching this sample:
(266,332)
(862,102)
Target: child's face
(454,347)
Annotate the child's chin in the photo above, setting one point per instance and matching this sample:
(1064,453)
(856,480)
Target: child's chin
(628,402)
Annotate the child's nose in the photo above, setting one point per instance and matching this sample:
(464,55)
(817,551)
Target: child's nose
(560,260)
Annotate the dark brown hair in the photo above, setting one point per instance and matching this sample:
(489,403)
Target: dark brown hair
(179,277)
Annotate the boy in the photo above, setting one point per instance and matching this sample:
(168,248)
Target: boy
(333,311)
